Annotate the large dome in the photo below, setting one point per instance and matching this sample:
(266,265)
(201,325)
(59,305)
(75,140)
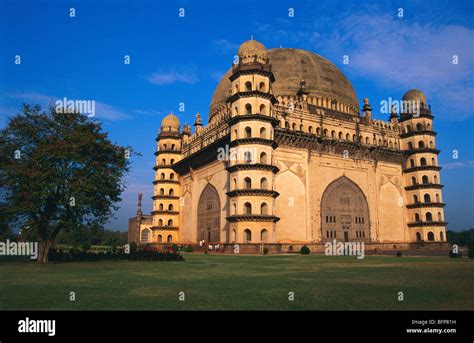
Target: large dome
(290,66)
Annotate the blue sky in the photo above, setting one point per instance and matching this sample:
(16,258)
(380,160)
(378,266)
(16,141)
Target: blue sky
(181,59)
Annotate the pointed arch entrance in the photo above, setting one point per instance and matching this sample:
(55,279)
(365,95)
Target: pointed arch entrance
(209,215)
(344,212)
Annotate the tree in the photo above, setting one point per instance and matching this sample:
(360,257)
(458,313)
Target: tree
(58,170)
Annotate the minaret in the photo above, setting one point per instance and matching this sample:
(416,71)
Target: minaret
(251,170)
(166,185)
(421,174)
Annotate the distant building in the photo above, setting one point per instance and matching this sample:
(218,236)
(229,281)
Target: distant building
(288,158)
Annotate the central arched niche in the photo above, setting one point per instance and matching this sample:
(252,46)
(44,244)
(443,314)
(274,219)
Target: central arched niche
(344,212)
(209,215)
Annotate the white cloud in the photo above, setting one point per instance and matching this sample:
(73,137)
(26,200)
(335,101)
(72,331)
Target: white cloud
(103,111)
(173,76)
(225,46)
(458,165)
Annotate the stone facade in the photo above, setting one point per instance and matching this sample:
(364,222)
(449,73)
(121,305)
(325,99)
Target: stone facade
(285,162)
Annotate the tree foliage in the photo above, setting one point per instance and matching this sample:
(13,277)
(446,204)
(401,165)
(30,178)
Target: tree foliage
(58,171)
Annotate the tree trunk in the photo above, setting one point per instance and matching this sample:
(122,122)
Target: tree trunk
(43,249)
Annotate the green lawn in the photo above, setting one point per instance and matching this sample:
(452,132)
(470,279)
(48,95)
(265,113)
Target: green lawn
(243,283)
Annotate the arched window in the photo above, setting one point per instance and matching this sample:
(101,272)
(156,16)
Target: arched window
(172,147)
(415,199)
(419,127)
(264,208)
(413,180)
(171,192)
(247,208)
(425,179)
(160,238)
(418,236)
(339,135)
(160,222)
(170,207)
(248,183)
(263,109)
(301,127)
(235,183)
(169,239)
(164,146)
(417,217)
(162,176)
(264,235)
(234,236)
(441,236)
(440,217)
(248,86)
(437,197)
(163,161)
(248,109)
(333,134)
(310,129)
(427,198)
(429,217)
(170,222)
(248,132)
(145,236)
(236,110)
(162,191)
(262,87)
(234,206)
(293,126)
(430,236)
(412,163)
(318,131)
(287,125)
(367,140)
(421,144)
(172,160)
(263,183)
(247,236)
(431,144)
(263,158)
(423,161)
(325,132)
(160,208)
(433,161)
(263,133)
(248,157)
(408,128)
(435,179)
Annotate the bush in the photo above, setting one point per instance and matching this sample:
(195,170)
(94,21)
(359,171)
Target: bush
(399,254)
(133,247)
(455,255)
(81,256)
(305,250)
(188,248)
(174,248)
(265,251)
(470,252)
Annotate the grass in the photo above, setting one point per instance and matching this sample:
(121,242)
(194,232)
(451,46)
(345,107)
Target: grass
(229,282)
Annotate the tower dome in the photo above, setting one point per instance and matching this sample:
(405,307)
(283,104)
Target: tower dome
(170,122)
(252,48)
(415,95)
